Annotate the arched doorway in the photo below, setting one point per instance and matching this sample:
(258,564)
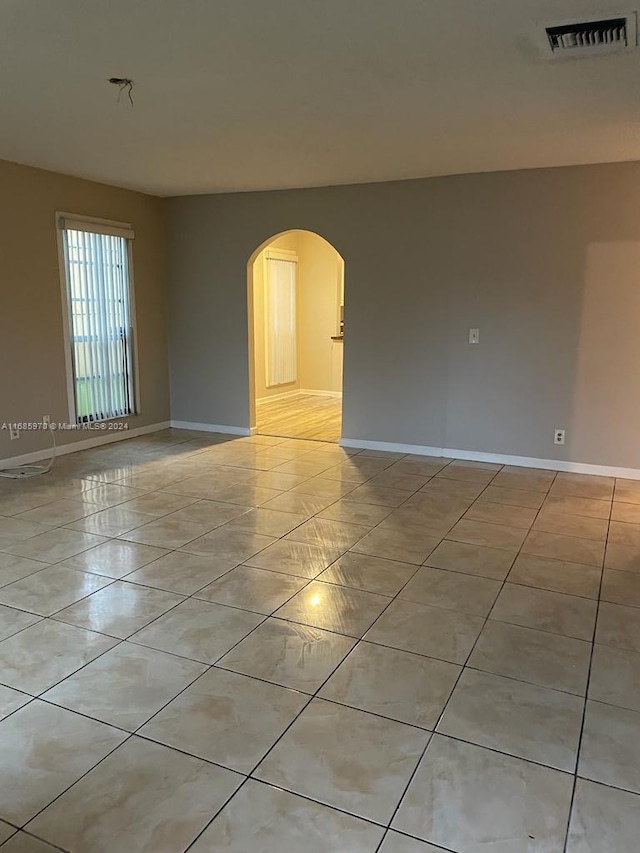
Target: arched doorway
(296,334)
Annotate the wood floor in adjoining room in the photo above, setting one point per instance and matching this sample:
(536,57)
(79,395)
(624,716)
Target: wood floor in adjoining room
(310,416)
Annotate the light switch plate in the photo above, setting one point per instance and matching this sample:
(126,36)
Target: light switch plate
(474,336)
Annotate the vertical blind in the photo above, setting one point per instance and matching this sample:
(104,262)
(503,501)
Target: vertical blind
(280,322)
(99,303)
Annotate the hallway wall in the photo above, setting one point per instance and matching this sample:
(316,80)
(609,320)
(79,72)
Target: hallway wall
(318,315)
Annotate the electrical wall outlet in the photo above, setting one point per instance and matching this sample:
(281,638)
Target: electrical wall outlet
(474,336)
(14,433)
(558,436)
(46,419)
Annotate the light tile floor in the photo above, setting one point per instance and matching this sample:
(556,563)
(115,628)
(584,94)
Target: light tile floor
(266,645)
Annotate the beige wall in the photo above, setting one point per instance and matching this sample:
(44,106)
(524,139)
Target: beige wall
(32,357)
(318,303)
(545,262)
(317,300)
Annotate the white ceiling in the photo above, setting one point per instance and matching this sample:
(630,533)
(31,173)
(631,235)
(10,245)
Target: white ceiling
(261,94)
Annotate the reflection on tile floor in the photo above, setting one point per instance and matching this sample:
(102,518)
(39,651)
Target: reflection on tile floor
(266,645)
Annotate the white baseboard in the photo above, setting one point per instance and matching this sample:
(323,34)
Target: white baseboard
(499,458)
(285,394)
(106,437)
(319,393)
(418,449)
(316,392)
(226,430)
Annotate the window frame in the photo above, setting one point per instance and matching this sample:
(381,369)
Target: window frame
(104,226)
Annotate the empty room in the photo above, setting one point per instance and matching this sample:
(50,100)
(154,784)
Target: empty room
(319,426)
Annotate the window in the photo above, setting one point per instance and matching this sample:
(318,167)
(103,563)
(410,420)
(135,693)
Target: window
(280,318)
(99,317)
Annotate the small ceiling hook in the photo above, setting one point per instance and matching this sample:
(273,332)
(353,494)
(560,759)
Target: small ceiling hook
(123,83)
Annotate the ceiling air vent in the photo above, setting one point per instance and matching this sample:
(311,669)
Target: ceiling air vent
(581,38)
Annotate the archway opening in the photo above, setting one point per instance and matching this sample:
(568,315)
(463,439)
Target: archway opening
(296,337)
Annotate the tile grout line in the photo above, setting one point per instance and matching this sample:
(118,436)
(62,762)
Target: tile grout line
(358,641)
(315,694)
(156,559)
(310,580)
(462,670)
(437,722)
(588,683)
(130,735)
(122,640)
(306,705)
